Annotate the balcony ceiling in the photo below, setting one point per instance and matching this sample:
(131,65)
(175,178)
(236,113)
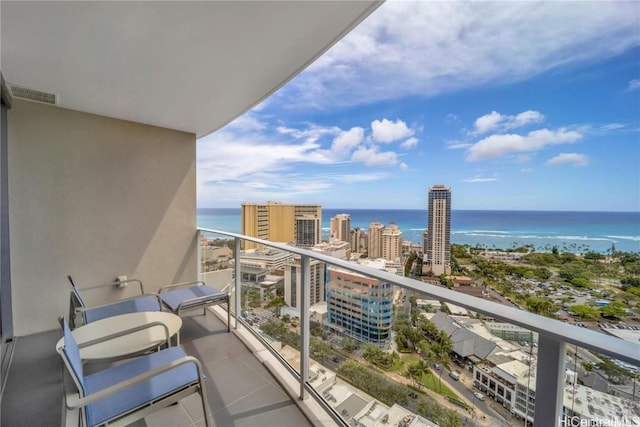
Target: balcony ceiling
(189,66)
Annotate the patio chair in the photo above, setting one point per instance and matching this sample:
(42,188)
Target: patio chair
(130,391)
(185,296)
(80,314)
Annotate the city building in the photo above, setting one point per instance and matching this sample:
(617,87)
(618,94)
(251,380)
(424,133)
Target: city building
(269,259)
(513,384)
(336,249)
(437,251)
(375,240)
(341,228)
(276,222)
(509,331)
(358,240)
(360,307)
(308,229)
(392,242)
(293,280)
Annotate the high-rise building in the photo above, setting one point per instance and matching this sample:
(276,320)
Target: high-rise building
(293,281)
(375,240)
(358,240)
(341,227)
(275,221)
(308,231)
(391,242)
(437,255)
(359,306)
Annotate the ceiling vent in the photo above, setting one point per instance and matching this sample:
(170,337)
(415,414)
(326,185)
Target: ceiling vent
(33,94)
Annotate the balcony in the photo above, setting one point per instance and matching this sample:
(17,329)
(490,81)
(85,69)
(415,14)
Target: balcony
(253,378)
(102,182)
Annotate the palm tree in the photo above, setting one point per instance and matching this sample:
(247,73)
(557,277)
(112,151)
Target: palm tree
(441,355)
(416,370)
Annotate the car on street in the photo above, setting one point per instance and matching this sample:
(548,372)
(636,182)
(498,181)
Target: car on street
(479,395)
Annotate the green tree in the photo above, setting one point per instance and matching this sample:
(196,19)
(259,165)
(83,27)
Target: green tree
(584,311)
(588,366)
(540,305)
(276,303)
(614,372)
(581,282)
(319,349)
(253,296)
(615,309)
(349,344)
(627,297)
(416,370)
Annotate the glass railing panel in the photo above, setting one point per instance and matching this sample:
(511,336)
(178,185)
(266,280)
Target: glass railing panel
(601,390)
(264,274)
(385,348)
(415,373)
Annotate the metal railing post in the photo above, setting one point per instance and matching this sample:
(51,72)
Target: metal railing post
(550,381)
(199,253)
(238,278)
(305,302)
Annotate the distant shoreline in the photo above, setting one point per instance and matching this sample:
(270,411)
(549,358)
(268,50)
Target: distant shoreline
(346,210)
(576,232)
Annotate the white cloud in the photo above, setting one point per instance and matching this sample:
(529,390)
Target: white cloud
(409,143)
(564,158)
(633,84)
(404,166)
(526,117)
(500,145)
(613,126)
(496,121)
(479,179)
(458,145)
(386,131)
(370,156)
(488,122)
(346,141)
(425,48)
(252,159)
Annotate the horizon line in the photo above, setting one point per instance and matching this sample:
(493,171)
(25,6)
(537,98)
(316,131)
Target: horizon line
(453,209)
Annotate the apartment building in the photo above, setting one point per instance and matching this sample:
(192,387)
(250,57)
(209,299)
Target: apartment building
(276,222)
(437,255)
(341,228)
(392,243)
(375,240)
(308,229)
(293,281)
(358,240)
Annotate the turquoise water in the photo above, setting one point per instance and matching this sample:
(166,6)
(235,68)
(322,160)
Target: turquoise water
(570,231)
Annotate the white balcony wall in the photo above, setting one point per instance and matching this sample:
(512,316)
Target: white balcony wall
(94,197)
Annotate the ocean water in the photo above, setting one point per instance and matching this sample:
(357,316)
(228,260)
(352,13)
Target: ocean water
(569,231)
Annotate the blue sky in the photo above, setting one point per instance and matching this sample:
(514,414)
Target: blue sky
(514,105)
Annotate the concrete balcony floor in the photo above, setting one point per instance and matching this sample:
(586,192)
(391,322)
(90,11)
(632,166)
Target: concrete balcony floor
(241,391)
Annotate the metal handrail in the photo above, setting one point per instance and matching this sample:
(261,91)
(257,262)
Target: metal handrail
(554,336)
(585,338)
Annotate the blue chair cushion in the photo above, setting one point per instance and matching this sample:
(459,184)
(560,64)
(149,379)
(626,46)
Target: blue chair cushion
(141,393)
(146,303)
(203,295)
(72,353)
